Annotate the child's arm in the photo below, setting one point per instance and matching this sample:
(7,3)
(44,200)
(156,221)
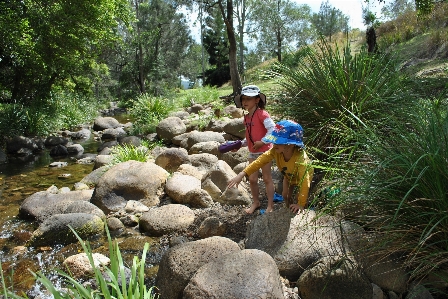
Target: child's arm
(236,180)
(306,172)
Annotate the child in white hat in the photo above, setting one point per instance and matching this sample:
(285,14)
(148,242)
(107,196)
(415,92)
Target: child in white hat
(258,125)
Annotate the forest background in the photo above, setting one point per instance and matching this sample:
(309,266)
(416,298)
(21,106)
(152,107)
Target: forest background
(376,121)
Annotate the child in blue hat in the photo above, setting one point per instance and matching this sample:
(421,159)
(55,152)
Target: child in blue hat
(291,159)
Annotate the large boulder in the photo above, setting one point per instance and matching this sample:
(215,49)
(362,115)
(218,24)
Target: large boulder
(170,127)
(130,180)
(178,185)
(103,123)
(248,273)
(181,262)
(41,205)
(196,136)
(210,147)
(204,162)
(235,127)
(334,277)
(296,241)
(166,219)
(56,140)
(171,158)
(55,230)
(215,183)
(235,158)
(19,145)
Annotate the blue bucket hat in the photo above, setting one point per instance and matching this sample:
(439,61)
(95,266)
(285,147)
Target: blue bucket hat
(286,132)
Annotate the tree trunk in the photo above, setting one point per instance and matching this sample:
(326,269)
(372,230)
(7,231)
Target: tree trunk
(139,58)
(233,64)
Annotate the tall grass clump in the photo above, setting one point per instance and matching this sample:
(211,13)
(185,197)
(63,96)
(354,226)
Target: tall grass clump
(126,152)
(147,111)
(400,189)
(332,92)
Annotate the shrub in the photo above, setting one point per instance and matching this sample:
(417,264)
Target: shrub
(332,92)
(400,187)
(147,111)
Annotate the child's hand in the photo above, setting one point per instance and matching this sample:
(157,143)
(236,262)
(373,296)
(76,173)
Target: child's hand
(295,208)
(236,180)
(258,144)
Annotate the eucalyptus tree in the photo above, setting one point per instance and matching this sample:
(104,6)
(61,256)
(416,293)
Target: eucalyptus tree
(243,14)
(280,24)
(329,20)
(46,44)
(226,8)
(150,56)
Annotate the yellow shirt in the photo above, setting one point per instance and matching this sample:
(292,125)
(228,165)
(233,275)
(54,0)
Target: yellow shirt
(297,170)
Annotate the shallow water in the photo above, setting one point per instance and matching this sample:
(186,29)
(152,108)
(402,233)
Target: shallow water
(20,179)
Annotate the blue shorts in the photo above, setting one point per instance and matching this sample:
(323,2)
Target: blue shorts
(255,155)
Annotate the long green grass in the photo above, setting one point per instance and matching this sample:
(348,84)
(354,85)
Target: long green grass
(331,92)
(127,152)
(399,188)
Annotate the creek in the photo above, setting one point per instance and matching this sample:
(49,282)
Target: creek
(21,178)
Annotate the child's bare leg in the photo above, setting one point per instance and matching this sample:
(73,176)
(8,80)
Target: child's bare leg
(253,182)
(267,179)
(287,192)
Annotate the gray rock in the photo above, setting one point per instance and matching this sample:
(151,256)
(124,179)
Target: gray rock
(211,226)
(209,147)
(181,262)
(58,151)
(42,205)
(198,198)
(235,158)
(79,266)
(114,224)
(81,134)
(170,159)
(166,219)
(102,123)
(334,277)
(75,149)
(248,273)
(170,127)
(93,178)
(196,137)
(111,134)
(130,180)
(215,183)
(233,111)
(55,230)
(102,160)
(295,241)
(130,140)
(235,127)
(204,162)
(178,185)
(56,140)
(15,144)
